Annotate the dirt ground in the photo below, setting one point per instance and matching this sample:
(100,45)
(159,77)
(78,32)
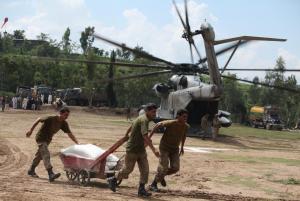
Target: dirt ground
(248,168)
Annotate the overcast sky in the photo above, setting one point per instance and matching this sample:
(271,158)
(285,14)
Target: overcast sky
(154,25)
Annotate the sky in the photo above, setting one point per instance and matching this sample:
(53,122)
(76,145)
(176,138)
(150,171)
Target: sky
(154,25)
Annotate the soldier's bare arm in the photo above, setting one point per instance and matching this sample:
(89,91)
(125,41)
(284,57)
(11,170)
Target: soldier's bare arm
(73,138)
(28,134)
(157,126)
(182,145)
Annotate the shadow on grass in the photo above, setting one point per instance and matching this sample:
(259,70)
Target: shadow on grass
(225,139)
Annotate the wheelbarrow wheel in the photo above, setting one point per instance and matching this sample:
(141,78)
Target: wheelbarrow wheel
(71,175)
(84,177)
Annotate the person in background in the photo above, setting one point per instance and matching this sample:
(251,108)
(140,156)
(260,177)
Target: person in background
(3,102)
(216,125)
(50,99)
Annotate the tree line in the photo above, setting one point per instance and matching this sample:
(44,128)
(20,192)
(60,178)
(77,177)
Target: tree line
(19,68)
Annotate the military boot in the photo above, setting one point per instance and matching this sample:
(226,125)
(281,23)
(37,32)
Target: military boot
(112,183)
(52,176)
(163,182)
(31,172)
(153,187)
(142,191)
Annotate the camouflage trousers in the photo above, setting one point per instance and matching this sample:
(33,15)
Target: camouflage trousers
(169,163)
(130,160)
(42,154)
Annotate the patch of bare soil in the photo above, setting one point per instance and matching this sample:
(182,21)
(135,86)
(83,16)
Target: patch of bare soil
(217,176)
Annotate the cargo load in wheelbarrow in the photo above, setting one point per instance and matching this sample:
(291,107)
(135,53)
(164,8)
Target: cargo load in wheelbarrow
(83,162)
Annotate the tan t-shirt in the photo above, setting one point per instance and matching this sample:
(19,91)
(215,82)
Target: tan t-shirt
(51,125)
(139,128)
(173,135)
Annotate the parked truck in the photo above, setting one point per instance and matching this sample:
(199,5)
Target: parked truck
(81,97)
(266,117)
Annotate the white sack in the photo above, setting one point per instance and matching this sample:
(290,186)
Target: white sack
(90,152)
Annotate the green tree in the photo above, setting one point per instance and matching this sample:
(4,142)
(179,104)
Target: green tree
(43,37)
(272,96)
(233,100)
(254,92)
(111,96)
(87,39)
(38,78)
(66,41)
(7,44)
(19,34)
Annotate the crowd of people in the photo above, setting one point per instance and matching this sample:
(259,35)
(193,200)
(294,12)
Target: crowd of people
(26,103)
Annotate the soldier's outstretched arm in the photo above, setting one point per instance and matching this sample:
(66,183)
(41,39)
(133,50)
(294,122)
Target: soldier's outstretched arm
(73,138)
(28,134)
(157,126)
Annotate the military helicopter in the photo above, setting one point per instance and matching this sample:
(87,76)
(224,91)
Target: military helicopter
(185,89)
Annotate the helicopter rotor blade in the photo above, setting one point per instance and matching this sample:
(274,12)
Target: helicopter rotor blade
(248,38)
(229,59)
(191,52)
(197,51)
(188,27)
(179,15)
(138,75)
(260,69)
(262,84)
(187,18)
(137,52)
(121,64)
(224,50)
(187,30)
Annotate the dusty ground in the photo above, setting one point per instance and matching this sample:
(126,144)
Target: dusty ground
(253,169)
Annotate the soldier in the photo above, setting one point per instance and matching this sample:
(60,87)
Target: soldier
(136,152)
(174,135)
(128,113)
(50,126)
(216,126)
(205,125)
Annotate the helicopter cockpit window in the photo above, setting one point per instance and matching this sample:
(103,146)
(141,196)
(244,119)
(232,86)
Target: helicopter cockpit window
(162,88)
(183,82)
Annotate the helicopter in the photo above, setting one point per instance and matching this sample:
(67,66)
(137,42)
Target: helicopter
(185,88)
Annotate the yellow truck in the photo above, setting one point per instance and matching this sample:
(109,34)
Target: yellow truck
(266,117)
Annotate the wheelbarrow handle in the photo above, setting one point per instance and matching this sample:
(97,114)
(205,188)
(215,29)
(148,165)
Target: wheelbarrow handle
(109,151)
